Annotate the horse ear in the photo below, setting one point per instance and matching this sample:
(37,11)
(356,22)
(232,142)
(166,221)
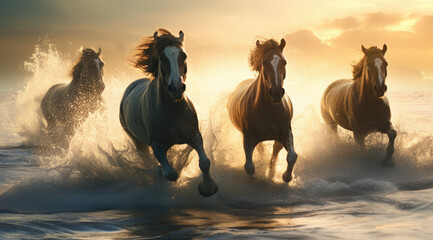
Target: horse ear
(364,50)
(258,43)
(99,52)
(282,44)
(181,36)
(384,49)
(155,35)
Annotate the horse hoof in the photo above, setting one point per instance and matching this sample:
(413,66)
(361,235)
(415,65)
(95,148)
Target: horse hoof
(171,175)
(207,191)
(249,168)
(388,162)
(287,177)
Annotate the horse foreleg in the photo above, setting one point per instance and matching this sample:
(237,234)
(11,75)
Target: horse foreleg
(392,134)
(207,187)
(160,152)
(276,149)
(249,145)
(291,155)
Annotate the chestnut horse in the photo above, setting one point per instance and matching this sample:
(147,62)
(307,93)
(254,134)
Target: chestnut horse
(261,110)
(156,112)
(359,105)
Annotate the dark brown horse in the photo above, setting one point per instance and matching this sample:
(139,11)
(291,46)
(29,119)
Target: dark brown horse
(70,104)
(156,112)
(261,110)
(359,104)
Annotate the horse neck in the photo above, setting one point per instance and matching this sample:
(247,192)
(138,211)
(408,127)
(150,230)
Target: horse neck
(261,92)
(362,88)
(75,87)
(79,91)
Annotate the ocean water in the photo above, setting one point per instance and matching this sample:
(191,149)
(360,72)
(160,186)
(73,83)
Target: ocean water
(101,188)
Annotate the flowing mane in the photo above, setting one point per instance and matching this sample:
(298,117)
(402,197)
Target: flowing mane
(257,53)
(357,68)
(78,68)
(150,48)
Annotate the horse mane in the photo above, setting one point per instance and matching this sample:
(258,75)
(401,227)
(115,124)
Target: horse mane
(357,68)
(257,53)
(150,48)
(78,68)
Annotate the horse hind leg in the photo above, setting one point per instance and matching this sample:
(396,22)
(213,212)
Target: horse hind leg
(276,150)
(360,139)
(332,125)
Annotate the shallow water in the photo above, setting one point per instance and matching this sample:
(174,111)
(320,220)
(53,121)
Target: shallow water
(100,188)
(335,194)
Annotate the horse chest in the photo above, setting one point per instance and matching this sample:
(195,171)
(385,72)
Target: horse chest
(174,127)
(372,117)
(268,123)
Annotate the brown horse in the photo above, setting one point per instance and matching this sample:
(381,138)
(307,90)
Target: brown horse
(156,112)
(70,104)
(261,110)
(359,105)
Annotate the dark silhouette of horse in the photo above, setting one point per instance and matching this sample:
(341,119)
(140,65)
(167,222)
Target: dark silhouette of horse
(156,112)
(359,105)
(70,104)
(261,110)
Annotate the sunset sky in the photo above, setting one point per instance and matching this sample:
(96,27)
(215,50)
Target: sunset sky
(323,37)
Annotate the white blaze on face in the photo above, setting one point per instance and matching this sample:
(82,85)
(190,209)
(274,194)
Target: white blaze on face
(274,62)
(172,53)
(98,65)
(378,62)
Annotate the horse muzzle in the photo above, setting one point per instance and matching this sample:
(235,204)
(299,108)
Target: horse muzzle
(276,94)
(176,92)
(380,91)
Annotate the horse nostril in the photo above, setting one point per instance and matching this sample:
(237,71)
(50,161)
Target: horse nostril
(282,91)
(183,87)
(385,88)
(170,88)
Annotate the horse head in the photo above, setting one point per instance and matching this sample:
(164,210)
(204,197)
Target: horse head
(273,67)
(172,66)
(90,67)
(376,64)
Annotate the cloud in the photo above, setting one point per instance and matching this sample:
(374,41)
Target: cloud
(410,50)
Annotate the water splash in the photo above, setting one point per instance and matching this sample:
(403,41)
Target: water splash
(101,169)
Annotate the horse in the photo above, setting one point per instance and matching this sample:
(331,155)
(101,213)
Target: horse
(71,104)
(157,113)
(359,104)
(260,108)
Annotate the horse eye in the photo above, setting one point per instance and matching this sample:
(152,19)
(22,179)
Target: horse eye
(183,55)
(386,64)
